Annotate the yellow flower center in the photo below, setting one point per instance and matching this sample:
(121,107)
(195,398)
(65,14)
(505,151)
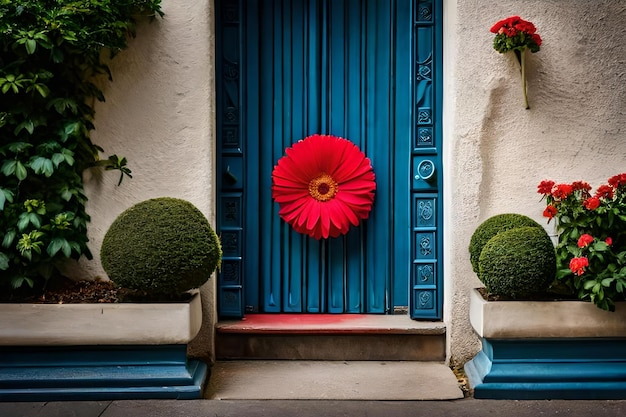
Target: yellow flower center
(323,188)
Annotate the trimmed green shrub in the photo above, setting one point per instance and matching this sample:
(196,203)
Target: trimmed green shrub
(491,227)
(518,262)
(163,246)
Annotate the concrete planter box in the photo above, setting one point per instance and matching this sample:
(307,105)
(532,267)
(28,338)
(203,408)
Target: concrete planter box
(99,351)
(100,324)
(548,350)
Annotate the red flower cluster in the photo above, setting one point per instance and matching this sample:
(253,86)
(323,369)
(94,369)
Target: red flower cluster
(591,230)
(521,34)
(513,25)
(578,265)
(559,192)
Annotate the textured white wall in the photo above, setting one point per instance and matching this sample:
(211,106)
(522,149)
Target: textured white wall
(496,152)
(160,114)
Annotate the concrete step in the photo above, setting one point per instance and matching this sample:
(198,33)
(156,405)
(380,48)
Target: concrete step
(332,380)
(331,337)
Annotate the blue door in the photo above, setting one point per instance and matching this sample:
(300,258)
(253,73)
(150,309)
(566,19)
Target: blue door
(364,70)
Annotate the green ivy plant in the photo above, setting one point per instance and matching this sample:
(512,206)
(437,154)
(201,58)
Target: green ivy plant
(50,52)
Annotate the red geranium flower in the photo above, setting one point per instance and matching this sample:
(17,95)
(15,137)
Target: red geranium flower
(562,191)
(545,187)
(323,185)
(550,212)
(609,240)
(617,180)
(605,191)
(584,240)
(578,265)
(591,203)
(581,185)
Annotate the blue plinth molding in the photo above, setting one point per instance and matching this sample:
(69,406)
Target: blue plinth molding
(560,368)
(99,373)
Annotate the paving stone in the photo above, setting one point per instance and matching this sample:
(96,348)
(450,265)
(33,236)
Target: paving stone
(332,380)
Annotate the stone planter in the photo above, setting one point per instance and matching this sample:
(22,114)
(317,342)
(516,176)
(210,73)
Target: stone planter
(547,350)
(99,351)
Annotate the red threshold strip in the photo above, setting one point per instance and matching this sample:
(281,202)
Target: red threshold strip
(328,324)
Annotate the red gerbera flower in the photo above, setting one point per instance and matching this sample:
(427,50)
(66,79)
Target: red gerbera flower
(323,185)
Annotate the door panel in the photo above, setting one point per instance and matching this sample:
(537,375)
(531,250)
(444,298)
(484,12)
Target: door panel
(288,69)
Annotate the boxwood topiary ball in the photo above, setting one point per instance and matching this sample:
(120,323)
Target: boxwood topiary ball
(518,262)
(164,246)
(491,227)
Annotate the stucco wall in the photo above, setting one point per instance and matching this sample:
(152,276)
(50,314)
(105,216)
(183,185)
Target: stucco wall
(160,114)
(496,152)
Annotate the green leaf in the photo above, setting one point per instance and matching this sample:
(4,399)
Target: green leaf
(589,284)
(606,282)
(17,147)
(8,168)
(26,124)
(9,237)
(31,46)
(600,246)
(27,254)
(20,171)
(34,219)
(23,222)
(37,163)
(5,195)
(4,261)
(55,246)
(57,158)
(17,282)
(66,194)
(42,90)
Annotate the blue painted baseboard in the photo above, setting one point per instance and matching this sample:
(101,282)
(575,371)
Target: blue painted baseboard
(549,369)
(99,373)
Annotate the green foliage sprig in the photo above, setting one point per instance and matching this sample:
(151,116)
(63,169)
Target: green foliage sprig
(50,51)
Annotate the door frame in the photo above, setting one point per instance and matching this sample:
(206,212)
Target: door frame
(425,292)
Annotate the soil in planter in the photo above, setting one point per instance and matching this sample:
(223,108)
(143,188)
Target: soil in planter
(65,290)
(540,296)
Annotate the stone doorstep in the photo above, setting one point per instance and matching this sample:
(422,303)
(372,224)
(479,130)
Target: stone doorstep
(330,337)
(332,380)
(330,324)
